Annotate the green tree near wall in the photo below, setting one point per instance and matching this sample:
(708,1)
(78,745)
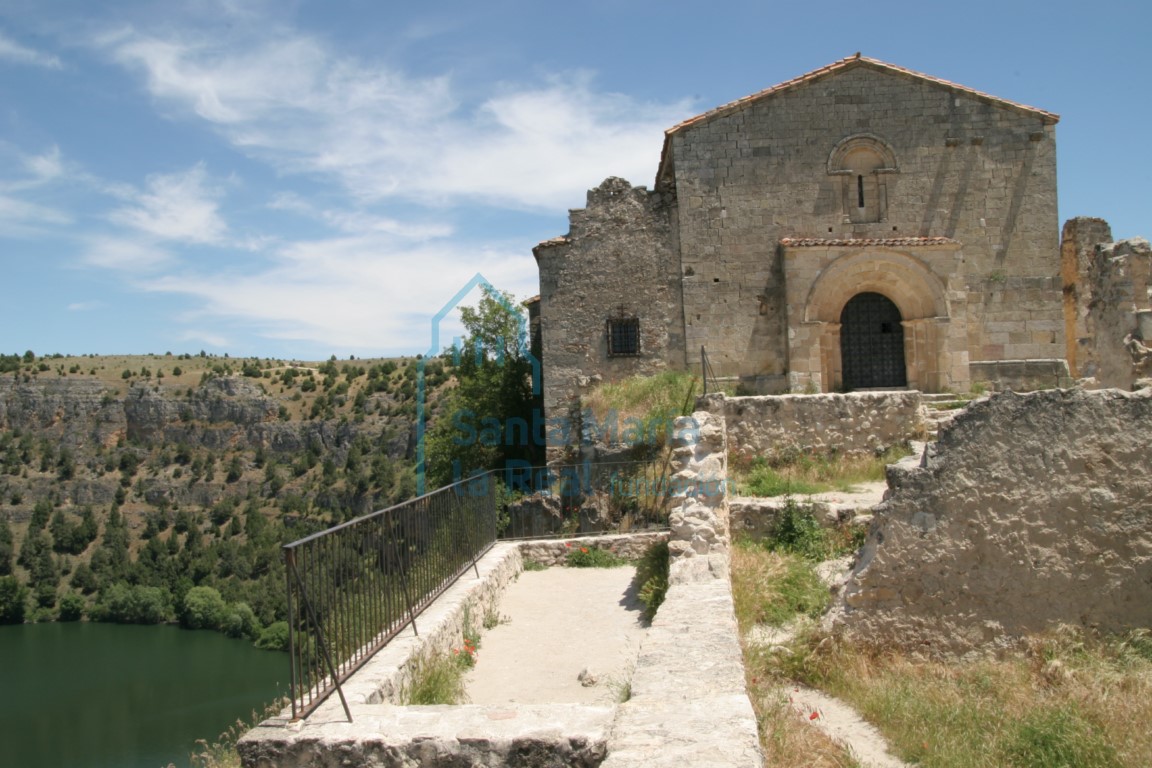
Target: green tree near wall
(494,384)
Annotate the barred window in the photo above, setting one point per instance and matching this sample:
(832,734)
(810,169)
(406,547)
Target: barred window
(623,336)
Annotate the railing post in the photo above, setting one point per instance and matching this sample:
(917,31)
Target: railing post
(289,570)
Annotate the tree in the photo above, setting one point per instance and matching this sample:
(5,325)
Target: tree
(478,427)
(138,604)
(203,608)
(7,547)
(13,600)
(71,607)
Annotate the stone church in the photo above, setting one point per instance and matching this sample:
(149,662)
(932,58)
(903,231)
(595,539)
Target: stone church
(860,226)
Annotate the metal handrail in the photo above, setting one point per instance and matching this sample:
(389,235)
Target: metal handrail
(355,586)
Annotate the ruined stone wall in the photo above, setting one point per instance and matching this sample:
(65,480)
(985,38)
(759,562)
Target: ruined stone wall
(1078,241)
(616,259)
(776,426)
(966,169)
(1031,510)
(1116,306)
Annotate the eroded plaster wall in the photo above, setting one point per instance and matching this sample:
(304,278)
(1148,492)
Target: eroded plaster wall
(1031,510)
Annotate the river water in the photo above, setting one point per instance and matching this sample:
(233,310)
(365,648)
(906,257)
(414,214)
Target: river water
(81,695)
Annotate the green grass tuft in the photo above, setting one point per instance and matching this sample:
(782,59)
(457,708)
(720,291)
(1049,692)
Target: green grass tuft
(593,557)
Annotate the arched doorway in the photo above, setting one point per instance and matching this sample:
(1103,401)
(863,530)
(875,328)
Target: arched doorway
(872,343)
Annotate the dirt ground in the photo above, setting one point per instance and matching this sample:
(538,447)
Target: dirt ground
(555,624)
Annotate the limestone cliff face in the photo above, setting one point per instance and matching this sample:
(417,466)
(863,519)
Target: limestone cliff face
(224,415)
(1032,510)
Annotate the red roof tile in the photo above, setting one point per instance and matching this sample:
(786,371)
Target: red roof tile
(819,242)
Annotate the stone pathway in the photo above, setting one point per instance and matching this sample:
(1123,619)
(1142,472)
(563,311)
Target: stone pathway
(844,725)
(557,623)
(838,720)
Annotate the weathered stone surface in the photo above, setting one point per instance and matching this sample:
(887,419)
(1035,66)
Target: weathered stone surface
(771,213)
(688,705)
(698,512)
(629,546)
(384,736)
(1031,510)
(1115,314)
(791,425)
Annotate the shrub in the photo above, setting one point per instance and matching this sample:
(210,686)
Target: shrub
(71,607)
(652,576)
(203,608)
(592,557)
(123,604)
(274,637)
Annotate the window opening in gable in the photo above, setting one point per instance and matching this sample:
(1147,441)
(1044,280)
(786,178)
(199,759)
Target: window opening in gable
(864,163)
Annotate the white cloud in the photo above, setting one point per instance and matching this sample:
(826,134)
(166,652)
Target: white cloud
(368,292)
(85,306)
(14,51)
(177,206)
(126,255)
(294,103)
(19,217)
(45,167)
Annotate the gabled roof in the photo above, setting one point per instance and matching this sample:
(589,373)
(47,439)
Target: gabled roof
(837,67)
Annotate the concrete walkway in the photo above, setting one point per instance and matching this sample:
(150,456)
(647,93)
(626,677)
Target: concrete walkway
(555,624)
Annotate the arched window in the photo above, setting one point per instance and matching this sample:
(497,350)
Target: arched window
(862,161)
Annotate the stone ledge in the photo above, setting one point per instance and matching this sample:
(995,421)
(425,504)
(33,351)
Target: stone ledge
(689,704)
(387,736)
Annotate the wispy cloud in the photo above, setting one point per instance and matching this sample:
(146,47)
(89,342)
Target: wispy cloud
(10,50)
(294,103)
(22,218)
(370,292)
(85,306)
(177,206)
(125,254)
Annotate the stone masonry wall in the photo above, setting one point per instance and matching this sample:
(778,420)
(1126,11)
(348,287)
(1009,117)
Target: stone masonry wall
(967,169)
(699,543)
(616,259)
(858,422)
(1031,510)
(1118,314)
(1078,241)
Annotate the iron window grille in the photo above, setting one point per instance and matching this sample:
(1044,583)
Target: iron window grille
(623,336)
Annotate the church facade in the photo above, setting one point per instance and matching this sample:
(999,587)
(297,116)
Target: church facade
(861,226)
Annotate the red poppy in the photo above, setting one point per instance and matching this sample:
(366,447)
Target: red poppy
(584,550)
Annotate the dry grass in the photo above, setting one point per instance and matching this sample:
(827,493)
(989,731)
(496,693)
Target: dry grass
(1073,699)
(1070,701)
(642,408)
(803,474)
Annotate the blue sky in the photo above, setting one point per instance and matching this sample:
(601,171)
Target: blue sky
(301,179)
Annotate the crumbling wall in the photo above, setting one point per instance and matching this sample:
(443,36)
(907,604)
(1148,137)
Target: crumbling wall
(1031,510)
(615,262)
(1119,313)
(780,425)
(1078,241)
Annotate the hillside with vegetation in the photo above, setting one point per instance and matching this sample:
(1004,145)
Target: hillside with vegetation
(160,487)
